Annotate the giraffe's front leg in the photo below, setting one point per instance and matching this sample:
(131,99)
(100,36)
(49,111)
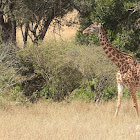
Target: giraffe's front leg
(120,92)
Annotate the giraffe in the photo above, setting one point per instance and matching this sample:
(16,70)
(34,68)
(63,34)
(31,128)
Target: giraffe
(129,70)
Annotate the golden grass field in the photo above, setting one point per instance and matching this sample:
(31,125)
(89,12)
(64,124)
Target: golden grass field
(77,120)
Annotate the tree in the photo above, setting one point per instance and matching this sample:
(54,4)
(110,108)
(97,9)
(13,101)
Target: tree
(41,15)
(32,16)
(120,19)
(7,21)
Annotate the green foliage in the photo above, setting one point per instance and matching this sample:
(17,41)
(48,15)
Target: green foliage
(32,16)
(58,70)
(60,75)
(91,39)
(82,94)
(112,94)
(16,94)
(8,66)
(126,39)
(120,20)
(126,94)
(64,66)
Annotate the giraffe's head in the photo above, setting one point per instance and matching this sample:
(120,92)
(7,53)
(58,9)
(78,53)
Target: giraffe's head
(93,28)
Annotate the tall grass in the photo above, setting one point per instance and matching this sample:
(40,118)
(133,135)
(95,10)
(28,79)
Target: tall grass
(75,121)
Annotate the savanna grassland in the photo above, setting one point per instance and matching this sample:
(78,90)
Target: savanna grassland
(77,120)
(68,120)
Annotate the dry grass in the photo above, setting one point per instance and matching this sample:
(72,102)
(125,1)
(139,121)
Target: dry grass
(75,121)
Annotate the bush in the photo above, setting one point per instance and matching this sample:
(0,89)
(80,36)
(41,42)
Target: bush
(82,94)
(49,60)
(58,70)
(8,66)
(64,66)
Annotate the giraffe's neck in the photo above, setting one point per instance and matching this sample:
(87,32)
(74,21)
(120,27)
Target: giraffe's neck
(113,54)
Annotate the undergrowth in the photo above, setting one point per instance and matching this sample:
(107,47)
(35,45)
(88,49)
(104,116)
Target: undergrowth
(58,70)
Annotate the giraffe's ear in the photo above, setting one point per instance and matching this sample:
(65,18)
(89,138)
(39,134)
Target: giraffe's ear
(101,27)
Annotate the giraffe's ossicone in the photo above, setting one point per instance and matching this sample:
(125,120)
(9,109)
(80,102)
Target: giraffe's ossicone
(129,70)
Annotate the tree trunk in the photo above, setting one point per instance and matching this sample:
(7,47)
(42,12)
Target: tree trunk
(7,27)
(13,32)
(25,34)
(43,31)
(8,32)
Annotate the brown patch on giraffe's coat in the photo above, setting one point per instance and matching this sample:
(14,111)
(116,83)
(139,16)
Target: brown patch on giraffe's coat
(106,52)
(114,59)
(102,44)
(122,60)
(113,53)
(107,44)
(104,47)
(122,69)
(110,49)
(119,65)
(117,56)
(101,36)
(110,55)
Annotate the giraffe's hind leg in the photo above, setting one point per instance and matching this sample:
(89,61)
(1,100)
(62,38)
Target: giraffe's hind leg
(120,92)
(133,94)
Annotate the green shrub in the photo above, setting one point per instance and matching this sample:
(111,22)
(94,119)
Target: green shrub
(50,61)
(57,70)
(112,94)
(8,68)
(65,65)
(81,93)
